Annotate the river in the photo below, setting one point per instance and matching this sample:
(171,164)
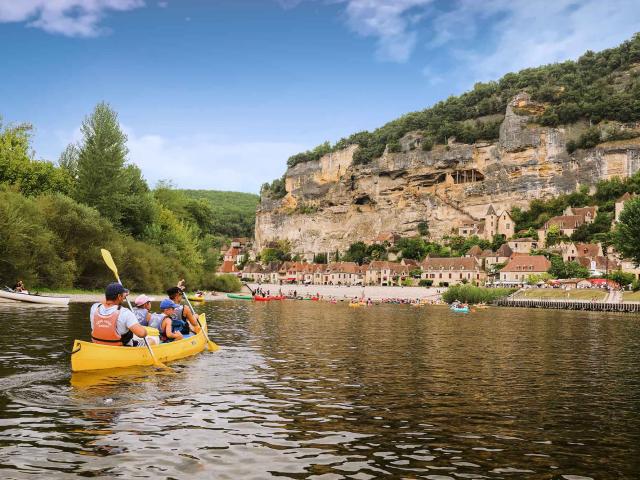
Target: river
(315,390)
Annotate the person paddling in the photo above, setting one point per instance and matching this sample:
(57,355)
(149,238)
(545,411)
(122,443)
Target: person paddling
(183,312)
(111,324)
(171,328)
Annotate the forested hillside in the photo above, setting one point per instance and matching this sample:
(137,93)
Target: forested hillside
(230,214)
(598,86)
(55,218)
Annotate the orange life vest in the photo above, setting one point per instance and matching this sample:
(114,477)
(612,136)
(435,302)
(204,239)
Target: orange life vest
(104,328)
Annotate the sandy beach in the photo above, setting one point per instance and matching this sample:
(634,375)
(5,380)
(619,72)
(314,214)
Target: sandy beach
(326,291)
(347,292)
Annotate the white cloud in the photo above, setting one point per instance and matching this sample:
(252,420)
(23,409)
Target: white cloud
(391,22)
(73,18)
(209,163)
(523,34)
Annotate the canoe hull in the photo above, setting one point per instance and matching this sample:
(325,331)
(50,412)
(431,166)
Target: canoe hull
(42,299)
(237,296)
(93,356)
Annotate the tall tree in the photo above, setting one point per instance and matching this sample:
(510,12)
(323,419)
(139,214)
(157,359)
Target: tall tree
(627,233)
(101,160)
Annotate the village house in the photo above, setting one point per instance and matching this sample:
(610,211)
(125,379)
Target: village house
(491,225)
(521,267)
(391,238)
(566,224)
(452,271)
(571,251)
(228,267)
(523,245)
(385,273)
(344,273)
(490,259)
(587,213)
(253,271)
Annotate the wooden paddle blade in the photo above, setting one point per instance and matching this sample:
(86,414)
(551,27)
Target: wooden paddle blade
(108,259)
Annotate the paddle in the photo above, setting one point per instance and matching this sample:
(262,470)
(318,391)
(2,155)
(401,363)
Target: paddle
(108,259)
(210,344)
(246,285)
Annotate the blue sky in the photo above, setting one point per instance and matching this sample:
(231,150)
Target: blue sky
(217,94)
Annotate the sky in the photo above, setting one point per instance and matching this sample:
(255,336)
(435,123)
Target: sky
(217,94)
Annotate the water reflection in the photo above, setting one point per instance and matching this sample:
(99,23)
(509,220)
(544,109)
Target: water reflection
(308,390)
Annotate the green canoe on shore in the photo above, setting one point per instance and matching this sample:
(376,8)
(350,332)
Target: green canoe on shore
(238,296)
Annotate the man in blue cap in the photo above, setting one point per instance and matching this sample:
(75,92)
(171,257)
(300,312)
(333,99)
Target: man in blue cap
(111,324)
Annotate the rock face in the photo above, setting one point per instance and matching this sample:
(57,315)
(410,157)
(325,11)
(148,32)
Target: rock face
(331,203)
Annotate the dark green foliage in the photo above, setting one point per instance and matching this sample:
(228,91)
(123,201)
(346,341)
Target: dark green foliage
(394,146)
(461,245)
(561,269)
(229,214)
(587,88)
(423,229)
(472,294)
(427,144)
(310,155)
(626,236)
(274,190)
(226,283)
(622,278)
(53,241)
(361,253)
(17,166)
(320,258)
(425,282)
(587,232)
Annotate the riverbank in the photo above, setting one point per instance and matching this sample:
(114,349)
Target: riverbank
(343,292)
(92,297)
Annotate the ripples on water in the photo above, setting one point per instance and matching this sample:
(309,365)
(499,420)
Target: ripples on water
(308,390)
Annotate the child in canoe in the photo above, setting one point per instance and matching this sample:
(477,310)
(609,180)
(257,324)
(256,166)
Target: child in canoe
(171,327)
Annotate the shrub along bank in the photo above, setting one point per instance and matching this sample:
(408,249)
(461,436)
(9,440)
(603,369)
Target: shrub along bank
(55,218)
(472,294)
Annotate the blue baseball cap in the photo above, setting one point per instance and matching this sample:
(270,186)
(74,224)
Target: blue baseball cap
(167,303)
(114,289)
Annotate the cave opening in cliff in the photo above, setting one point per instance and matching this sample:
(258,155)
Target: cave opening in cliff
(467,176)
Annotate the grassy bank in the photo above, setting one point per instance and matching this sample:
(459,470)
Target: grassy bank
(558,294)
(472,294)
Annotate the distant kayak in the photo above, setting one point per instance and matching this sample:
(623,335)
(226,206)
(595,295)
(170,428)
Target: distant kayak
(460,309)
(30,298)
(238,296)
(196,298)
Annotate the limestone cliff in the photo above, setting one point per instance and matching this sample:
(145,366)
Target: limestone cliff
(331,203)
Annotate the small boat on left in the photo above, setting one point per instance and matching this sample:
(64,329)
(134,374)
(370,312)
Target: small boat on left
(31,298)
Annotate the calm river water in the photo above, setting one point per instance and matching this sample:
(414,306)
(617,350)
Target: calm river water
(308,390)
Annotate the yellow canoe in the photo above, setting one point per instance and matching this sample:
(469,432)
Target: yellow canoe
(93,356)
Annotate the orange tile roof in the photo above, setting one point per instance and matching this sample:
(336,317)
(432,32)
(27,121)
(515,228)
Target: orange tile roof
(458,263)
(527,263)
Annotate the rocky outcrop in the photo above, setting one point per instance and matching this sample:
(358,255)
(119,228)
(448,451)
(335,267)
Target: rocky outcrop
(331,203)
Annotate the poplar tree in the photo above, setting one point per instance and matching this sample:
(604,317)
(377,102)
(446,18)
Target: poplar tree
(101,160)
